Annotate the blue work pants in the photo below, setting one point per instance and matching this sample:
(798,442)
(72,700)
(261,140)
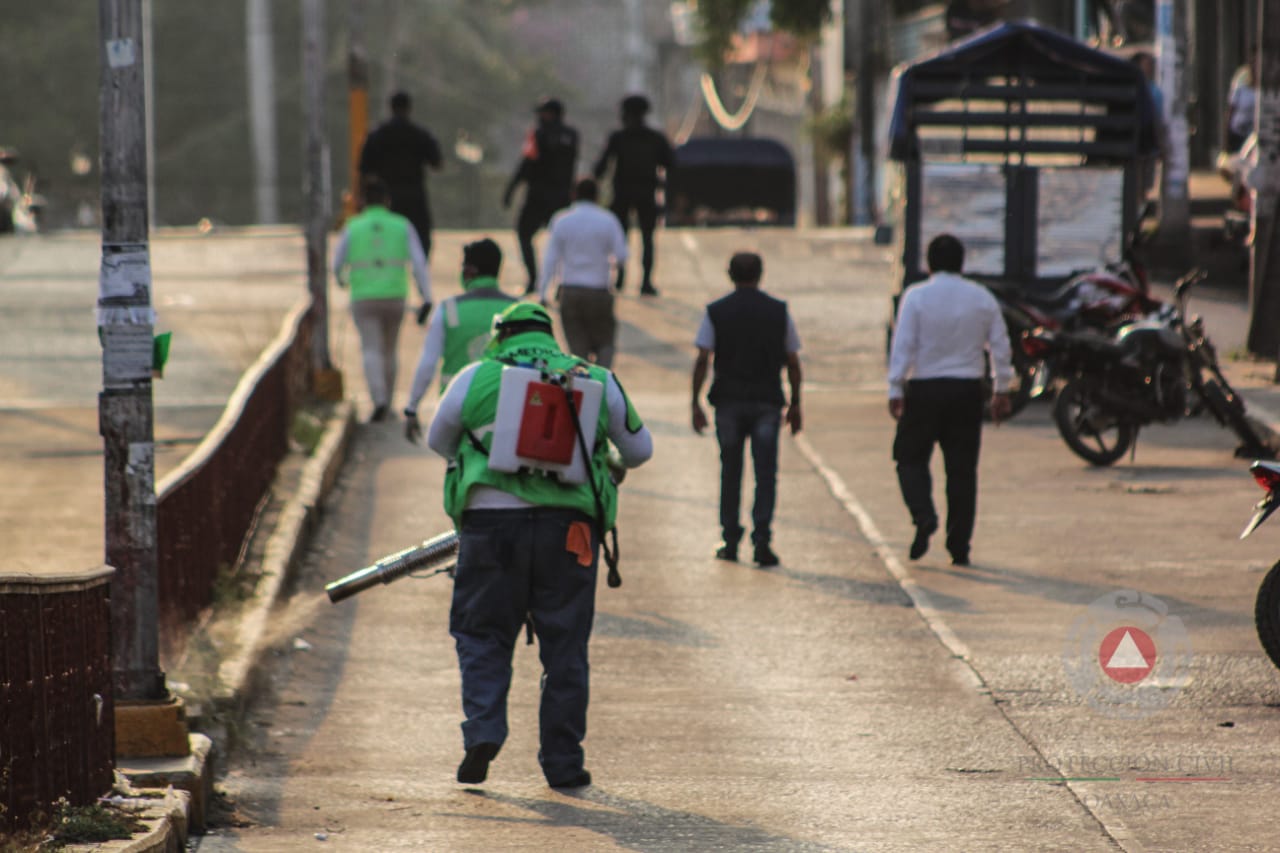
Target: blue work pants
(513,562)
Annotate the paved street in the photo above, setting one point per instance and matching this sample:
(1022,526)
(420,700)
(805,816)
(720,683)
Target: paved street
(846,700)
(223,296)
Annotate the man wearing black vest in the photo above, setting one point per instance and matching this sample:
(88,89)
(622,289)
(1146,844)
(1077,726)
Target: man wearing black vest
(753,337)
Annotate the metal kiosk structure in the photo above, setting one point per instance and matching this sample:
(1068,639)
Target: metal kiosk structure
(1026,145)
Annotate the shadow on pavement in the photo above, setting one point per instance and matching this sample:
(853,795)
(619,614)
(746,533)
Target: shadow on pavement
(639,825)
(1056,589)
(655,627)
(851,589)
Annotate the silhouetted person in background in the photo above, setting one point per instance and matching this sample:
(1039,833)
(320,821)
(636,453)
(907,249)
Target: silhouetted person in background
(396,152)
(638,153)
(549,158)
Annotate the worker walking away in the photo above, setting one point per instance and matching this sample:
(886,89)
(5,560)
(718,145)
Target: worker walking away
(752,337)
(947,328)
(642,159)
(586,242)
(372,255)
(397,152)
(460,326)
(548,162)
(530,490)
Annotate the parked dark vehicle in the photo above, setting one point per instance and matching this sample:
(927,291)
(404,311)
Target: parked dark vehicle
(19,205)
(1157,369)
(1103,299)
(1266,611)
(731,181)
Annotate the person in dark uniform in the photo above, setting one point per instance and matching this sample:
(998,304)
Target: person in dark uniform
(396,151)
(550,156)
(638,152)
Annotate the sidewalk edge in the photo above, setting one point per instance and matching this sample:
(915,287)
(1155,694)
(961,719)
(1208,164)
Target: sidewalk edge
(282,550)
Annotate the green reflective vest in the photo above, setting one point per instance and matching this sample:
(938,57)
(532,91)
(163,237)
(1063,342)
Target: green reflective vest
(468,324)
(479,410)
(377,254)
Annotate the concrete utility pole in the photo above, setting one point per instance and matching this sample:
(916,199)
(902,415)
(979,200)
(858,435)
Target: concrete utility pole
(316,182)
(357,103)
(260,44)
(1264,271)
(868,70)
(1175,199)
(125,321)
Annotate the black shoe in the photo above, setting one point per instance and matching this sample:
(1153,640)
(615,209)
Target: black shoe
(475,764)
(580,780)
(379,414)
(920,545)
(648,290)
(959,559)
(727,552)
(765,557)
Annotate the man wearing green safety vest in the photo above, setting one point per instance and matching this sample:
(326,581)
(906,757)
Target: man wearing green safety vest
(375,248)
(530,540)
(459,328)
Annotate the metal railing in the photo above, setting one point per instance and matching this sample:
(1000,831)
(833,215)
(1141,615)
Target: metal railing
(56,716)
(207,507)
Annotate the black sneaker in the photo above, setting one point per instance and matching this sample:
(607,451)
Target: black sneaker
(648,290)
(765,557)
(379,414)
(959,559)
(579,780)
(727,552)
(474,768)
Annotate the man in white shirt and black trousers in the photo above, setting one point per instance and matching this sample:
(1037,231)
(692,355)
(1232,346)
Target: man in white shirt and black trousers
(946,327)
(586,243)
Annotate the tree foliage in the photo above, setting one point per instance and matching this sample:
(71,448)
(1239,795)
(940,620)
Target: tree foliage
(719,20)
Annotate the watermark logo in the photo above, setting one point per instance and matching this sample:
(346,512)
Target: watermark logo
(1127,655)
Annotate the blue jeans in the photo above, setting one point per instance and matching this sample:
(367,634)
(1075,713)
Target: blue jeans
(735,423)
(512,563)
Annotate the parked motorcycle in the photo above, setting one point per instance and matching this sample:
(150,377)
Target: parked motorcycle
(1157,369)
(1101,299)
(1266,611)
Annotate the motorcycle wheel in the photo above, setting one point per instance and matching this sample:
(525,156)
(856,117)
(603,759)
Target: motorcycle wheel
(1019,392)
(1226,406)
(1266,614)
(1094,436)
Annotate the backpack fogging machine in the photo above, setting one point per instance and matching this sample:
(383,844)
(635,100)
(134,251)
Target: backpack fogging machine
(435,553)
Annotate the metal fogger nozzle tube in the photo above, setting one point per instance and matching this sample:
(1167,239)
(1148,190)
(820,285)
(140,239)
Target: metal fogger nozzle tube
(429,554)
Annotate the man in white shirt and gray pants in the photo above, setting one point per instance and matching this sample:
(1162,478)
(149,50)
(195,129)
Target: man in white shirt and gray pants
(586,242)
(946,327)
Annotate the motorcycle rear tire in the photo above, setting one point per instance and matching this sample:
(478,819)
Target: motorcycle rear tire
(1069,412)
(1266,614)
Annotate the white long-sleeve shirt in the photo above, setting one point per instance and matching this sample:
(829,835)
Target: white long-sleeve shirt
(417,262)
(584,239)
(446,434)
(945,326)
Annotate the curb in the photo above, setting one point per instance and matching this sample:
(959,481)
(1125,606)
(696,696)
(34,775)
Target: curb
(168,818)
(287,542)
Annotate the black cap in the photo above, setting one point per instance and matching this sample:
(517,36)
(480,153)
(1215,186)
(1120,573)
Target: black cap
(550,105)
(484,255)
